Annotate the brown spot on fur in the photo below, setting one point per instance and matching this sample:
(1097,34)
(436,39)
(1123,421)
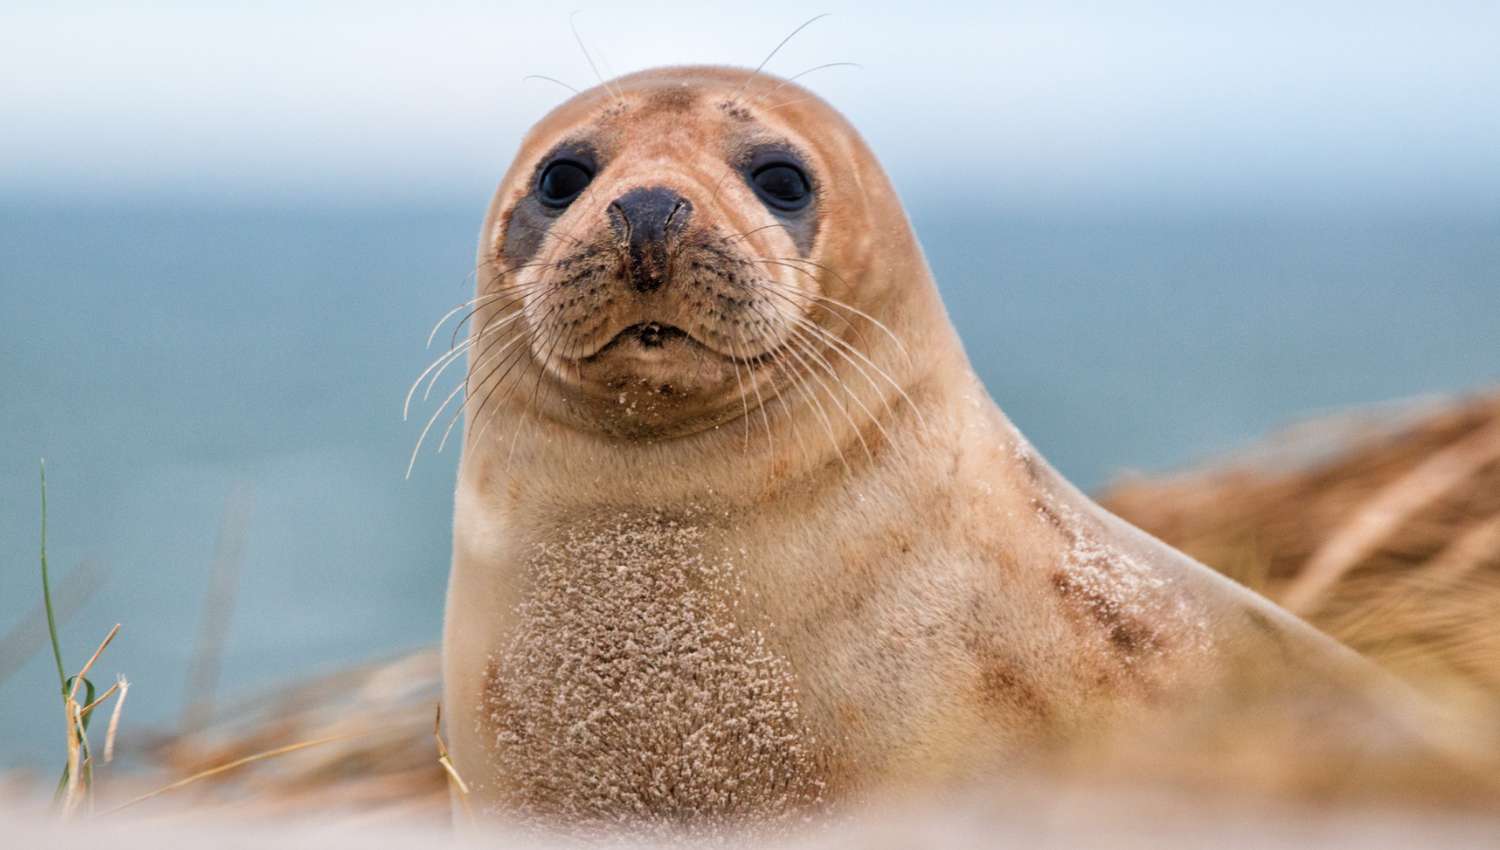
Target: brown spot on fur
(735,110)
(1048,515)
(1054,521)
(1002,686)
(1028,464)
(675,99)
(1127,634)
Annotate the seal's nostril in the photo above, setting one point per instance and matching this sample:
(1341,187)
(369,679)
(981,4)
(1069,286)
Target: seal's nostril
(650,217)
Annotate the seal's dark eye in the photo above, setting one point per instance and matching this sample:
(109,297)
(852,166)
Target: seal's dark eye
(562,181)
(782,185)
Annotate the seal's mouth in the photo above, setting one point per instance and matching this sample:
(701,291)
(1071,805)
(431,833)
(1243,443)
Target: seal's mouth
(652,334)
(645,337)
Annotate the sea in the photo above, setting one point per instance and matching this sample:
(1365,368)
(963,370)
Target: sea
(226,383)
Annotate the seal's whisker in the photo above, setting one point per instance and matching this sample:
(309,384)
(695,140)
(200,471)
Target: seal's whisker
(760,402)
(541,372)
(848,352)
(446,357)
(699,356)
(517,292)
(808,304)
(810,341)
(836,345)
(719,186)
(799,349)
(517,356)
(734,361)
(411,464)
(573,25)
(778,388)
(529,77)
(557,334)
(785,261)
(503,317)
(550,387)
(811,402)
(492,326)
(785,103)
(787,293)
(755,230)
(515,438)
(455,311)
(772,55)
(477,301)
(800,343)
(520,355)
(463,385)
(800,376)
(787,81)
(842,346)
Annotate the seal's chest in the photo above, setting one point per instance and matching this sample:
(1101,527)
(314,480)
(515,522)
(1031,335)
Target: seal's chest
(628,688)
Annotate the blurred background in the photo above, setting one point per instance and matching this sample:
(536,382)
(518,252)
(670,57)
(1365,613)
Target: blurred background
(225,230)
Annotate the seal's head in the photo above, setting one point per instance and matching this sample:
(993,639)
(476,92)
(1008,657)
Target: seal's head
(674,248)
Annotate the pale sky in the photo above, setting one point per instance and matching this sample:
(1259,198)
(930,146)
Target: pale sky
(1024,105)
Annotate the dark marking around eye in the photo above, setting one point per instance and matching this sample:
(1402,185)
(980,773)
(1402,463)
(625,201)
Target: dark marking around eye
(563,168)
(781,179)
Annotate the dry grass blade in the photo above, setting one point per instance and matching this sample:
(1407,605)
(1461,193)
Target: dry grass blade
(447,763)
(239,762)
(1398,512)
(80,762)
(114,720)
(1386,510)
(88,709)
(89,665)
(75,749)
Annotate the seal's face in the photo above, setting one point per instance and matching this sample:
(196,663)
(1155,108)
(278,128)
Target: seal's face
(653,254)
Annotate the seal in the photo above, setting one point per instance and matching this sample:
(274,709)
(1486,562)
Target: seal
(740,536)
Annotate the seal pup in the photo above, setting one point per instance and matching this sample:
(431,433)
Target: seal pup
(738,533)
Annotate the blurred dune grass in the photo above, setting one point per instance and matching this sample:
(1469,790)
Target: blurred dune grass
(1381,527)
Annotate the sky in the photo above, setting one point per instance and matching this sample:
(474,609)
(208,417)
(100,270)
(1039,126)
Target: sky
(1133,105)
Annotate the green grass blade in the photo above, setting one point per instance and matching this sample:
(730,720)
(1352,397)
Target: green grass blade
(62,677)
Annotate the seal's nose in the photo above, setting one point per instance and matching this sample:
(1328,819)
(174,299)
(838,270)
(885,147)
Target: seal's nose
(647,220)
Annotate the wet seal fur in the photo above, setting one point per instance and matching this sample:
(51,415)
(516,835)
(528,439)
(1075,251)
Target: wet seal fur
(752,540)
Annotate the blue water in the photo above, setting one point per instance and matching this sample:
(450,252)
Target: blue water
(160,359)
